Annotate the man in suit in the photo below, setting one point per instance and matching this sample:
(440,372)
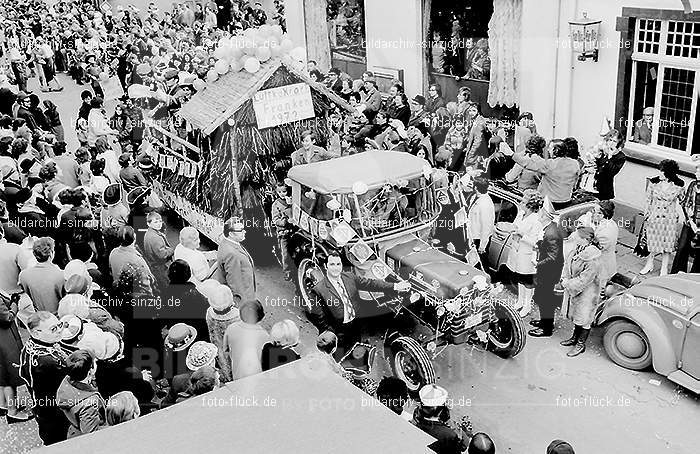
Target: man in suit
(550,262)
(235,262)
(310,152)
(336,302)
(372,100)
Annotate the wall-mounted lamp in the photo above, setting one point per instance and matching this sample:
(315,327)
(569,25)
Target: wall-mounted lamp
(584,37)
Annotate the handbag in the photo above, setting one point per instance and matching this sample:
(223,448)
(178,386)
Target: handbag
(642,248)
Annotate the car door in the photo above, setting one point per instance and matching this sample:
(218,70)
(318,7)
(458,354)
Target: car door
(691,347)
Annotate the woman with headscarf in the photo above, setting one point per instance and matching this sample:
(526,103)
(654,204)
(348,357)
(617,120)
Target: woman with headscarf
(661,216)
(521,259)
(581,282)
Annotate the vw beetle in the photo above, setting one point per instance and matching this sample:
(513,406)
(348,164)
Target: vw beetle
(656,323)
(378,209)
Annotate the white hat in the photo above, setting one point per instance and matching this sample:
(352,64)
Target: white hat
(433,395)
(74,304)
(201,354)
(75,267)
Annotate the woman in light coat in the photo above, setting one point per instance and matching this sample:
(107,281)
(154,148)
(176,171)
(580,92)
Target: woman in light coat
(521,259)
(581,281)
(606,233)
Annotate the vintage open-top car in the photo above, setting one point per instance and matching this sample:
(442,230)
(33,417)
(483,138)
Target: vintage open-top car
(378,210)
(656,323)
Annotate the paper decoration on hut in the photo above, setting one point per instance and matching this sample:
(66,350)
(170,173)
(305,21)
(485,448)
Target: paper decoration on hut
(361,251)
(341,232)
(304,221)
(296,213)
(472,257)
(181,168)
(460,218)
(281,105)
(313,226)
(323,230)
(380,270)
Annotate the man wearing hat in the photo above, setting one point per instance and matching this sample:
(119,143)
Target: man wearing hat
(431,417)
(174,360)
(200,354)
(642,127)
(235,261)
(418,113)
(549,263)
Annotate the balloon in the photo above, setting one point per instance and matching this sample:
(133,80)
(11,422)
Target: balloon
(249,47)
(237,42)
(252,65)
(235,53)
(286,45)
(220,52)
(263,53)
(221,67)
(275,49)
(298,53)
(250,33)
(276,31)
(212,76)
(236,65)
(223,42)
(199,84)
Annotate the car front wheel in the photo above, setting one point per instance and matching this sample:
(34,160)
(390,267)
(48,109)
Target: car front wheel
(506,331)
(309,274)
(627,345)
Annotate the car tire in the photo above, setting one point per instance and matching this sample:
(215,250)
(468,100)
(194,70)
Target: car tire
(507,333)
(405,352)
(627,345)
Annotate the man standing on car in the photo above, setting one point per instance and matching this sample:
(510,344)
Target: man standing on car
(549,262)
(335,302)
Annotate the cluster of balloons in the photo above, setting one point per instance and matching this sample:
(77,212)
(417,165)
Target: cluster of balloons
(249,49)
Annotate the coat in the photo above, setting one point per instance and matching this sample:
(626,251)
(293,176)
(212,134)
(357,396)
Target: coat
(582,284)
(606,169)
(123,255)
(157,253)
(10,346)
(83,406)
(238,269)
(523,251)
(607,233)
(183,303)
(558,176)
(328,310)
(43,283)
(550,256)
(317,153)
(477,142)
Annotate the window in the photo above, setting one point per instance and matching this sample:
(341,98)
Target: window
(346,29)
(459,38)
(666,63)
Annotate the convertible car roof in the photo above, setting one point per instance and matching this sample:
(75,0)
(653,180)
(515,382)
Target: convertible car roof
(374,168)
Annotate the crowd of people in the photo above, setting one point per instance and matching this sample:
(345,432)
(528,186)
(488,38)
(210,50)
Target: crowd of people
(107,320)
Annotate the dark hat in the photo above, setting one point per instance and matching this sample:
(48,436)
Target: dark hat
(145,162)
(124,158)
(21,95)
(419,99)
(112,194)
(559,447)
(137,195)
(180,336)
(170,73)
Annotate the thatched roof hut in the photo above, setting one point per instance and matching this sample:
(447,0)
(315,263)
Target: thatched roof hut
(237,155)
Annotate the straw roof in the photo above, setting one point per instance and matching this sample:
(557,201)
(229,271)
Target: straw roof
(209,108)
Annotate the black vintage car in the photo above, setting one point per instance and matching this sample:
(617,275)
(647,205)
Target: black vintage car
(379,210)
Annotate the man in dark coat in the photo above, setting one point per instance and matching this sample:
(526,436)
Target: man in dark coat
(24,111)
(550,261)
(607,167)
(43,367)
(336,304)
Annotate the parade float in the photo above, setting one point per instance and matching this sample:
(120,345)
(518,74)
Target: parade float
(246,119)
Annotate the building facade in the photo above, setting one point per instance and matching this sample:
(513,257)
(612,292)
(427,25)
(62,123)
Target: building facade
(649,56)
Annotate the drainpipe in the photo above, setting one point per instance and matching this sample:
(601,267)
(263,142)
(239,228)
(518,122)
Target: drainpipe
(556,71)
